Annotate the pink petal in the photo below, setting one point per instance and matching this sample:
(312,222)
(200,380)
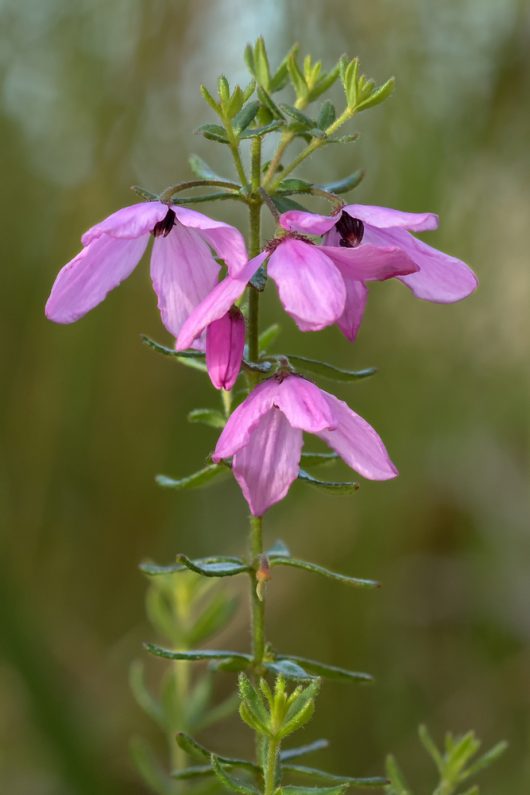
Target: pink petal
(310,286)
(310,223)
(133,221)
(225,341)
(358,443)
(367,262)
(85,281)
(304,404)
(244,419)
(386,218)
(218,302)
(183,272)
(356,298)
(226,240)
(268,464)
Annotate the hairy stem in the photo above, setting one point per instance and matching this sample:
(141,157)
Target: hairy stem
(257,605)
(271,763)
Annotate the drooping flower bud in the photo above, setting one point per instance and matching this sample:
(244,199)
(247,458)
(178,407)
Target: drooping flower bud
(225,341)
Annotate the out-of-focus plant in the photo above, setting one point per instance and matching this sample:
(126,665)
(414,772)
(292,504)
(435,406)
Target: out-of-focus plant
(455,764)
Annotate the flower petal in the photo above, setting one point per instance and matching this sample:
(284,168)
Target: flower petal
(386,218)
(244,419)
(311,223)
(183,272)
(310,286)
(368,262)
(357,443)
(356,298)
(86,280)
(226,240)
(133,221)
(217,303)
(225,342)
(268,464)
(304,404)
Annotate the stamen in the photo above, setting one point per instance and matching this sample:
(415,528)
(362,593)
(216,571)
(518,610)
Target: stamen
(164,227)
(351,231)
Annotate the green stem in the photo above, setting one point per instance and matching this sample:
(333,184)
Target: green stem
(270,767)
(257,605)
(255,203)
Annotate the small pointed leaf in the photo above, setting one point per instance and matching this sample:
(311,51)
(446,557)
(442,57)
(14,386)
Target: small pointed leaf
(430,746)
(202,170)
(327,115)
(144,194)
(322,775)
(328,671)
(297,115)
(331,486)
(377,96)
(214,567)
(266,100)
(202,477)
(344,185)
(332,575)
(329,371)
(195,655)
(258,132)
(142,695)
(193,359)
(291,185)
(246,116)
(303,750)
(228,781)
(213,132)
(397,780)
(486,760)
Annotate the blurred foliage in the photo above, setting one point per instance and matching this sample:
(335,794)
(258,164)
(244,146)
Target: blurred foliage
(97,96)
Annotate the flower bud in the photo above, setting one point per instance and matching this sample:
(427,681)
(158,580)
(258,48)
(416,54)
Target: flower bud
(225,341)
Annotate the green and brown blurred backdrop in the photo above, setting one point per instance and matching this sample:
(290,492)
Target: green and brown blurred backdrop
(99,94)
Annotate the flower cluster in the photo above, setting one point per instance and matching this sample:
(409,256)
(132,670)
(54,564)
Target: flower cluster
(321,266)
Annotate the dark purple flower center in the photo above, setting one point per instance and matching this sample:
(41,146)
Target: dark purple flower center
(164,227)
(351,231)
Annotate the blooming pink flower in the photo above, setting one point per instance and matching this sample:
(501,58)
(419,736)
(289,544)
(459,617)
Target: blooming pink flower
(183,269)
(362,234)
(264,437)
(225,342)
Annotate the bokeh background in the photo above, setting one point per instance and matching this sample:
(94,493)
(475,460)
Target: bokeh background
(99,94)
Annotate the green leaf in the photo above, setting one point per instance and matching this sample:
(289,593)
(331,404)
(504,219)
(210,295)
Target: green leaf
(329,371)
(344,185)
(220,712)
(327,115)
(252,709)
(301,709)
(142,695)
(210,563)
(211,417)
(261,64)
(377,96)
(297,115)
(322,775)
(193,359)
(246,116)
(291,185)
(472,791)
(234,664)
(325,82)
(197,480)
(213,132)
(195,655)
(149,767)
(328,671)
(258,132)
(228,781)
(209,99)
(199,771)
(223,89)
(269,337)
(281,76)
(202,170)
(331,486)
(199,752)
(213,618)
(144,194)
(430,746)
(296,76)
(318,459)
(278,549)
(214,567)
(487,759)
(283,204)
(268,102)
(288,668)
(397,780)
(291,790)
(217,195)
(303,750)
(332,575)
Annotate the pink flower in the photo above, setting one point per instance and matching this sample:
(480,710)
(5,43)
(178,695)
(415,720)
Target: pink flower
(264,437)
(183,269)
(373,236)
(225,342)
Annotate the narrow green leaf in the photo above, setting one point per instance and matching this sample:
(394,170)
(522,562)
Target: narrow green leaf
(193,359)
(147,567)
(218,713)
(149,767)
(281,76)
(259,132)
(377,96)
(214,132)
(278,549)
(283,204)
(328,671)
(233,664)
(209,99)
(296,76)
(290,669)
(211,417)
(223,89)
(327,115)
(472,791)
(292,790)
(297,115)
(318,459)
(322,775)
(218,195)
(248,56)
(261,64)
(246,116)
(288,186)
(253,701)
(487,759)
(331,486)
(213,567)
(236,102)
(212,619)
(268,102)
(430,746)
(228,781)
(144,194)
(325,82)
(199,752)
(300,709)
(268,337)
(142,695)
(195,655)
(303,750)
(344,185)
(197,480)
(332,575)
(329,371)
(397,780)
(202,170)
(199,771)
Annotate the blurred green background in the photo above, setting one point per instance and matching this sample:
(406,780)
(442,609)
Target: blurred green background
(99,94)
